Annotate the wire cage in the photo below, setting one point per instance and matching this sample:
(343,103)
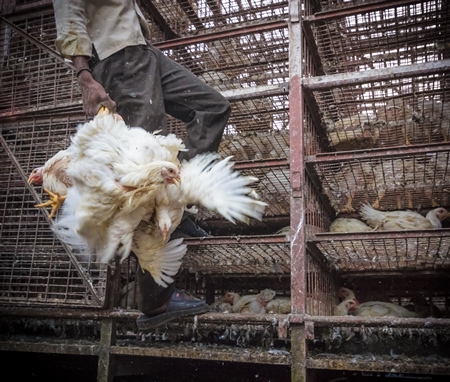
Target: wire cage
(385,112)
(379,36)
(30,76)
(375,132)
(36,267)
(191,17)
(248,66)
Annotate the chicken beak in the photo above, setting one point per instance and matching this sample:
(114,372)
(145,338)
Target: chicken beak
(164,233)
(30,180)
(176,180)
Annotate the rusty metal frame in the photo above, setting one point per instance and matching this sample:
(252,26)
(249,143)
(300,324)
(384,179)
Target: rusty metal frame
(357,78)
(213,36)
(297,171)
(39,44)
(355,9)
(159,19)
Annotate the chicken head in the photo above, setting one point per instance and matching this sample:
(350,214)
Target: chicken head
(441,213)
(37,176)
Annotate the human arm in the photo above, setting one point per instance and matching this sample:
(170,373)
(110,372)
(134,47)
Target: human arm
(74,43)
(93,93)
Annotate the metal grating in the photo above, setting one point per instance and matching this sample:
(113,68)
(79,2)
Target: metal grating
(381,37)
(35,267)
(391,112)
(31,78)
(380,251)
(320,288)
(317,216)
(191,17)
(236,62)
(249,146)
(261,124)
(238,255)
(396,180)
(328,5)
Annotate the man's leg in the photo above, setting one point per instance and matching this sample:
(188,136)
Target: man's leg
(161,305)
(187,98)
(146,85)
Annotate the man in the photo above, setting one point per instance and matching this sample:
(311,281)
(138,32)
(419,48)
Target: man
(118,68)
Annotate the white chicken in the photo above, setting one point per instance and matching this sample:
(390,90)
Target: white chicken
(54,179)
(126,193)
(372,309)
(280,305)
(115,182)
(349,225)
(368,309)
(224,303)
(346,294)
(381,309)
(366,295)
(255,304)
(345,307)
(402,220)
(203,181)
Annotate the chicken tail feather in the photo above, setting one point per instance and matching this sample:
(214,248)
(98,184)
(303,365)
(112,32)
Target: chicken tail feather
(166,262)
(216,186)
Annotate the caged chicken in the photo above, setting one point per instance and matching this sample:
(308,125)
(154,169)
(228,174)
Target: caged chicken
(343,308)
(402,220)
(381,309)
(255,304)
(224,303)
(372,309)
(54,179)
(280,305)
(348,225)
(350,305)
(130,191)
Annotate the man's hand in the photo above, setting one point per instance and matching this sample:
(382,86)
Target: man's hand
(94,95)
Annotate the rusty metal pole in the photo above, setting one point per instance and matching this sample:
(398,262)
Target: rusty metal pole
(297,173)
(107,366)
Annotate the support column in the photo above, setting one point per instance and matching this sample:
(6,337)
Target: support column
(106,362)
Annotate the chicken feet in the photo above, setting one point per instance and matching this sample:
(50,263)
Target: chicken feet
(56,201)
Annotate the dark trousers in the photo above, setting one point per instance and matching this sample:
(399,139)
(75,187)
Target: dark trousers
(145,84)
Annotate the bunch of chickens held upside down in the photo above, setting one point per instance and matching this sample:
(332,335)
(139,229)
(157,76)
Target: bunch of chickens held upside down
(125,190)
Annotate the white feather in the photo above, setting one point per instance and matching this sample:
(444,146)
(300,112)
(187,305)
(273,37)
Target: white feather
(214,185)
(114,186)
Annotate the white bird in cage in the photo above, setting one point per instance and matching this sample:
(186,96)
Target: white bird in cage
(54,179)
(255,304)
(349,225)
(381,309)
(402,220)
(345,307)
(128,182)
